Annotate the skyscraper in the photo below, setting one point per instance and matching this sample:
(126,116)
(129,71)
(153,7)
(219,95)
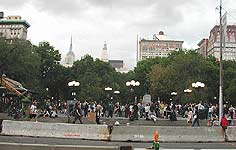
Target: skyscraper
(70,57)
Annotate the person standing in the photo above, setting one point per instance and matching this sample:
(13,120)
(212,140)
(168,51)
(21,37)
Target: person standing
(190,116)
(224,124)
(231,112)
(98,113)
(135,108)
(110,109)
(33,111)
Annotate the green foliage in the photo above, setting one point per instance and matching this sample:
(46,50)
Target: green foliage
(19,61)
(95,76)
(178,72)
(38,68)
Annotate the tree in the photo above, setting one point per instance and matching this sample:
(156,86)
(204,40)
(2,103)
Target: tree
(179,71)
(19,61)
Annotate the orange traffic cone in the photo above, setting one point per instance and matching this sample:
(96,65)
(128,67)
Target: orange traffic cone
(156,143)
(156,136)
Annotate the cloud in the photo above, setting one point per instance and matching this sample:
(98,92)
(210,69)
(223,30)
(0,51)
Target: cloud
(91,22)
(10,4)
(62,8)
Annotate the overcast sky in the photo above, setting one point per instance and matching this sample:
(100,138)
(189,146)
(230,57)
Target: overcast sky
(118,22)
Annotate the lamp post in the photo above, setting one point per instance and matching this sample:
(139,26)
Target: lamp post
(108,89)
(198,85)
(70,103)
(73,84)
(187,91)
(117,93)
(133,84)
(173,94)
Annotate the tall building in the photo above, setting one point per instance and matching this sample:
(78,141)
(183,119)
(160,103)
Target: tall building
(213,45)
(12,27)
(159,46)
(104,53)
(70,57)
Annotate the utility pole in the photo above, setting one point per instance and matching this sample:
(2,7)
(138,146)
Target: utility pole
(137,50)
(221,69)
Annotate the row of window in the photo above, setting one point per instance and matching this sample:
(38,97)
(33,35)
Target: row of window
(11,26)
(170,45)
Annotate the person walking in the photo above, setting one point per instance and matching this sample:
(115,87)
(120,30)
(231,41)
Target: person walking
(196,117)
(77,112)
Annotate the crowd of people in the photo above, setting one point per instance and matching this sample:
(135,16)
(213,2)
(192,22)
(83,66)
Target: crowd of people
(134,111)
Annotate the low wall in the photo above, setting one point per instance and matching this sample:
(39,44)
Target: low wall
(167,134)
(60,130)
(119,133)
(231,134)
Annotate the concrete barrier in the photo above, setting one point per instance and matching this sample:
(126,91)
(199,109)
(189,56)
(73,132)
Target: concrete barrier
(19,146)
(60,130)
(231,134)
(167,134)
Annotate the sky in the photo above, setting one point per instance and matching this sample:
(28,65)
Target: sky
(118,22)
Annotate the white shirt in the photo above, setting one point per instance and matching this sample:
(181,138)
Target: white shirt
(33,108)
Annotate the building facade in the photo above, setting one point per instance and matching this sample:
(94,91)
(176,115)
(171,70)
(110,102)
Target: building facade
(203,45)
(159,46)
(213,46)
(13,27)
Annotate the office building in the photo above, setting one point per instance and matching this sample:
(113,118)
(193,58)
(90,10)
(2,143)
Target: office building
(13,27)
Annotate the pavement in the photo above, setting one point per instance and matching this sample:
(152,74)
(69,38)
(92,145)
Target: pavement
(62,118)
(19,140)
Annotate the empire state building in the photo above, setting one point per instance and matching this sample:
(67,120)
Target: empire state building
(70,57)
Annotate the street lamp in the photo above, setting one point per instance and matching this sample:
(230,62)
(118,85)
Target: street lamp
(108,94)
(117,92)
(187,91)
(73,84)
(132,84)
(198,85)
(108,89)
(173,94)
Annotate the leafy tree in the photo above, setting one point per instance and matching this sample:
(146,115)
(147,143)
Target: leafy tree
(19,61)
(178,72)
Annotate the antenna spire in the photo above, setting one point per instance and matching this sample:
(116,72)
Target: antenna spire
(71,44)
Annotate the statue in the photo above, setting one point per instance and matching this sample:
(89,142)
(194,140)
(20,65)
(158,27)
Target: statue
(147,85)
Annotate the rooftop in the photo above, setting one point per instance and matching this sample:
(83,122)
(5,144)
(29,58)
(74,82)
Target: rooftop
(16,21)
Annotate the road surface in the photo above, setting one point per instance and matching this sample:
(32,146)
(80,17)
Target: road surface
(136,145)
